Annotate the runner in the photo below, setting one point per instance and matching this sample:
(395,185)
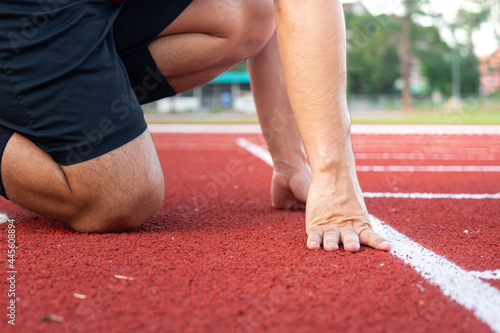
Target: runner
(73,75)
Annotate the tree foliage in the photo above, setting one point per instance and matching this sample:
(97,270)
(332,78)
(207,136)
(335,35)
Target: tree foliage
(470,16)
(373,63)
(434,56)
(373,57)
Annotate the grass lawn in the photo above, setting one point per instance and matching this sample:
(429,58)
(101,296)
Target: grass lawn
(477,117)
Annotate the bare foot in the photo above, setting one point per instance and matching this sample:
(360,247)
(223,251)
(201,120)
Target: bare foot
(289,188)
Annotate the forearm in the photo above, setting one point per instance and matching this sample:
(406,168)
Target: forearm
(273,108)
(312,45)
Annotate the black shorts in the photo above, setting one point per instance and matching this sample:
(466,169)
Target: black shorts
(73,73)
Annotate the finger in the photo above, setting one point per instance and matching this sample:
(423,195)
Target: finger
(350,240)
(370,238)
(298,205)
(314,239)
(331,240)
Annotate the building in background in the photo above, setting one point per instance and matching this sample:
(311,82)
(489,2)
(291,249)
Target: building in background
(355,7)
(489,69)
(230,90)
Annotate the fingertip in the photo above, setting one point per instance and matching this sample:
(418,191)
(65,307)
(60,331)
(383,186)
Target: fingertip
(312,245)
(314,238)
(384,246)
(374,240)
(331,246)
(351,247)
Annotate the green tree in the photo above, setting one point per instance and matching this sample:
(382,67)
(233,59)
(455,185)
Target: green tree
(404,49)
(470,76)
(434,56)
(371,54)
(470,16)
(412,10)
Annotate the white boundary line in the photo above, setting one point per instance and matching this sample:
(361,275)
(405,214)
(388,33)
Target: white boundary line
(428,168)
(355,129)
(427,129)
(462,286)
(255,150)
(487,275)
(431,195)
(264,155)
(424,156)
(466,288)
(204,128)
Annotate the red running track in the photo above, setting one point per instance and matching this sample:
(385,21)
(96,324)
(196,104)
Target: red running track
(218,258)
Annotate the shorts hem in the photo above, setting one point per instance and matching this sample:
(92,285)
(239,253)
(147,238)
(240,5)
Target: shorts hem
(87,150)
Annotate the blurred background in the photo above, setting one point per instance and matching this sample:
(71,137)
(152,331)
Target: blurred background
(409,61)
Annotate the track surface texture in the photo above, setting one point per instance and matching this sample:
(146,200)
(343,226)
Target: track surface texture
(218,258)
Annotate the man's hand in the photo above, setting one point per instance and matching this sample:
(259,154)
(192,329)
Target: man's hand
(312,46)
(336,214)
(289,188)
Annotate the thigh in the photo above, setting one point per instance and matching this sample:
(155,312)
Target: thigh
(119,175)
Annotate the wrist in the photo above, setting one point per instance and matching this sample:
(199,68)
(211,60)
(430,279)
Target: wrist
(330,150)
(338,162)
(290,164)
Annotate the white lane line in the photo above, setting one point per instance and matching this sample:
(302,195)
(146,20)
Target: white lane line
(264,155)
(426,156)
(428,168)
(3,218)
(487,275)
(255,150)
(204,128)
(427,142)
(431,195)
(355,129)
(427,129)
(195,146)
(462,286)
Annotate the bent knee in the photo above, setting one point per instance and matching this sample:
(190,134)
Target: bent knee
(121,212)
(249,27)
